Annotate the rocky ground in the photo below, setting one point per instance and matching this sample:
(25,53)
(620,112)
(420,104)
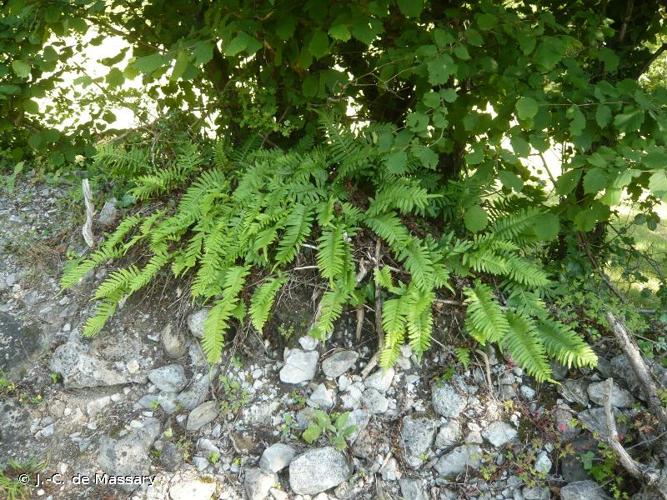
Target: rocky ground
(139,404)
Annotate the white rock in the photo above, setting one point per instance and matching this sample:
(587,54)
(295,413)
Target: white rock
(300,366)
(196,322)
(543,463)
(202,415)
(322,397)
(258,482)
(380,380)
(169,378)
(620,398)
(189,486)
(318,470)
(499,433)
(448,435)
(447,402)
(338,363)
(276,457)
(459,460)
(374,401)
(308,343)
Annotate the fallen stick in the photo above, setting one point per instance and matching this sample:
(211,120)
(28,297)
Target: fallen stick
(649,475)
(641,370)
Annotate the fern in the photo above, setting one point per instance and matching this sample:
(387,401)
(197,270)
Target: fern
(297,230)
(564,345)
(523,344)
(262,301)
(331,253)
(485,319)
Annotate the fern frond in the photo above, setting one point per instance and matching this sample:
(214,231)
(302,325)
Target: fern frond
(564,345)
(418,261)
(521,340)
(419,320)
(262,301)
(215,326)
(390,228)
(525,272)
(103,311)
(298,227)
(405,195)
(484,315)
(331,253)
(331,307)
(512,225)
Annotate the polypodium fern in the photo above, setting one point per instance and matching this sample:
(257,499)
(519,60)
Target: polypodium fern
(256,210)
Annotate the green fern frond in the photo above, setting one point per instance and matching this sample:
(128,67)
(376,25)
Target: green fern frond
(103,311)
(215,326)
(525,272)
(419,321)
(484,315)
(331,253)
(513,225)
(117,284)
(389,355)
(564,345)
(298,227)
(523,343)
(405,195)
(418,261)
(390,228)
(331,307)
(262,301)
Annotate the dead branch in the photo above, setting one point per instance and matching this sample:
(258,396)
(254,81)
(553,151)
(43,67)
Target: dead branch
(639,367)
(648,475)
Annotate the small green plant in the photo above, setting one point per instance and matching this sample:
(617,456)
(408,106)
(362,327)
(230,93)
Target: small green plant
(287,426)
(602,467)
(286,332)
(214,457)
(6,385)
(335,427)
(155,405)
(463,356)
(55,377)
(235,397)
(298,399)
(16,478)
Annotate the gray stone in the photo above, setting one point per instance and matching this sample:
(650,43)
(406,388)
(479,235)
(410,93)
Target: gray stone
(169,378)
(412,489)
(446,401)
(187,485)
(499,433)
(583,490)
(308,343)
(380,380)
(109,213)
(416,439)
(196,322)
(390,470)
(80,370)
(276,457)
(374,401)
(595,420)
(129,455)
(202,415)
(620,398)
(338,363)
(196,394)
(299,366)
(171,457)
(543,463)
(527,392)
(574,391)
(536,493)
(564,424)
(448,435)
(459,460)
(164,400)
(318,470)
(258,482)
(173,342)
(322,397)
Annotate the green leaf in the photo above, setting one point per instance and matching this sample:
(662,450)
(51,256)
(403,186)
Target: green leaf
(285,27)
(549,52)
(609,58)
(658,183)
(319,44)
(340,32)
(630,121)
(526,108)
(511,180)
(547,227)
(655,159)
(203,52)
(115,77)
(449,95)
(461,52)
(486,21)
(312,434)
(427,157)
(440,69)
(431,99)
(595,180)
(148,64)
(577,120)
(475,219)
(602,115)
(520,146)
(181,64)
(473,37)
(21,68)
(396,163)
(411,8)
(567,182)
(242,42)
